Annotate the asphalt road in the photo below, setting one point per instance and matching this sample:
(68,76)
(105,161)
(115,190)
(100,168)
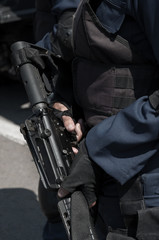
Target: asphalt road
(20,214)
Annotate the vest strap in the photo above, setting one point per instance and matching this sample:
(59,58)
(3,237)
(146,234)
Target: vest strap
(131,199)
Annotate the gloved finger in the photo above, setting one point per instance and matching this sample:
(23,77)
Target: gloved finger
(68,186)
(62,192)
(90,195)
(84,126)
(59,106)
(93,204)
(68,123)
(64,113)
(75,150)
(78,131)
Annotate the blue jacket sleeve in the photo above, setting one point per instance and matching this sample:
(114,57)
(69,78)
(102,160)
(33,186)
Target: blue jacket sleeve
(45,42)
(122,144)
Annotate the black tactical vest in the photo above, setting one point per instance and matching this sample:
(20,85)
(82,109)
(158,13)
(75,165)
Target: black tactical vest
(109,71)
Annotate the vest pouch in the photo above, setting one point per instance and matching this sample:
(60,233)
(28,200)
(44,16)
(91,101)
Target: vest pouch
(102,90)
(148,224)
(147,227)
(151,189)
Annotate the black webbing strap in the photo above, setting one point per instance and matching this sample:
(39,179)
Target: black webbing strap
(121,102)
(82,227)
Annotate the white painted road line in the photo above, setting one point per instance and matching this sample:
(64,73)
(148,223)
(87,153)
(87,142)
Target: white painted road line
(11,131)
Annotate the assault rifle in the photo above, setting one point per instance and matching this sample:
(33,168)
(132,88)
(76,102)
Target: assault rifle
(47,139)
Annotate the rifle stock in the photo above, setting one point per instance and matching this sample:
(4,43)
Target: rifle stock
(48,140)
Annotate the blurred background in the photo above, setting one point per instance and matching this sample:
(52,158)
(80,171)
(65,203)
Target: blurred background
(20,213)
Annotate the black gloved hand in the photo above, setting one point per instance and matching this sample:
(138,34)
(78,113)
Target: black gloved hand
(61,42)
(84,176)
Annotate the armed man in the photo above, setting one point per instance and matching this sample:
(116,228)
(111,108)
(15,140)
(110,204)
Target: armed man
(113,52)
